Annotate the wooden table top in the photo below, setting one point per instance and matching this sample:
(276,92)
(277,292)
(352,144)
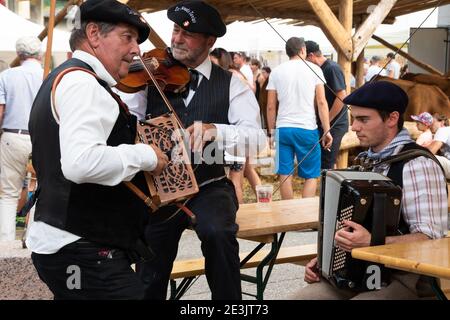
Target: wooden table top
(285,215)
(428,257)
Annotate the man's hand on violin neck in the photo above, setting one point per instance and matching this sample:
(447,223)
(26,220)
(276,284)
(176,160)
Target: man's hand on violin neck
(162,158)
(199,134)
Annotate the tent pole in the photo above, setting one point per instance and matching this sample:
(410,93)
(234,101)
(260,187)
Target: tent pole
(51,27)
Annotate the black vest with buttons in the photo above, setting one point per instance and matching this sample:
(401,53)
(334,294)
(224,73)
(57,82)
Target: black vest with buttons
(209,104)
(110,215)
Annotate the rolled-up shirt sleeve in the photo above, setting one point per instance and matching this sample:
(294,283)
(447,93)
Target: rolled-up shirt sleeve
(243,136)
(425,198)
(85,125)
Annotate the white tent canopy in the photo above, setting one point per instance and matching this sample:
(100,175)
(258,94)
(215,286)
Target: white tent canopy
(253,37)
(14,27)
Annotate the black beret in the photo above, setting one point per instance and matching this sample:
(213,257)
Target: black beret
(113,11)
(381,95)
(197,16)
(311,47)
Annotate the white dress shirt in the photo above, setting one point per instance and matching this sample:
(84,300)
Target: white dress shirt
(18,88)
(243,136)
(86,115)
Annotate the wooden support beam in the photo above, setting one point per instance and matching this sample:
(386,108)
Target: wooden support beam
(410,58)
(345,18)
(51,27)
(155,39)
(59,17)
(360,70)
(368,27)
(332,27)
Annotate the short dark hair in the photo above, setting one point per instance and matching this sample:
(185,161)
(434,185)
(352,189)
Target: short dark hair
(294,45)
(266,69)
(385,114)
(390,55)
(223,56)
(441,118)
(255,62)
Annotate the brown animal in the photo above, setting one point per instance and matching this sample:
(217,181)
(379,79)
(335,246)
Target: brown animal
(422,97)
(442,82)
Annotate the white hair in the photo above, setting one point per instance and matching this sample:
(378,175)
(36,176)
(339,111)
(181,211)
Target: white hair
(28,46)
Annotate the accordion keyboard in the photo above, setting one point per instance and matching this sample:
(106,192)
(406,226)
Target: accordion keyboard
(340,255)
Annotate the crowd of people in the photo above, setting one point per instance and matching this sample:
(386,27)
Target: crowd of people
(80,132)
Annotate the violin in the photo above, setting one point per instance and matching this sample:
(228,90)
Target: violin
(171,75)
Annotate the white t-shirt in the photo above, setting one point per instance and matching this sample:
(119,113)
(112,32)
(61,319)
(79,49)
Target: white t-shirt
(394,66)
(247,72)
(295,84)
(372,71)
(443,135)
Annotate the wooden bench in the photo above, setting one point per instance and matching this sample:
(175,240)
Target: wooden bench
(189,269)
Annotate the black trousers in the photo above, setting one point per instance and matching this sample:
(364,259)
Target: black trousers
(215,208)
(85,270)
(338,131)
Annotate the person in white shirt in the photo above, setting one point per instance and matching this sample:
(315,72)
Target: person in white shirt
(88,225)
(440,145)
(296,85)
(374,69)
(424,121)
(393,67)
(221,114)
(18,87)
(239,60)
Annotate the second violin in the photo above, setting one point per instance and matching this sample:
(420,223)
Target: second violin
(172,75)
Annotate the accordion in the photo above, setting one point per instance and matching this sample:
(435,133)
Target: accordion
(367,198)
(177,181)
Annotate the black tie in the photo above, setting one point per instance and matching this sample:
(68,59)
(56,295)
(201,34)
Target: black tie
(193,83)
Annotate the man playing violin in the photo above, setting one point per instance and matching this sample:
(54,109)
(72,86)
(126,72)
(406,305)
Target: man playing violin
(230,120)
(88,225)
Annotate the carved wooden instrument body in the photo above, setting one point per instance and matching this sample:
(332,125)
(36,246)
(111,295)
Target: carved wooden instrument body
(177,182)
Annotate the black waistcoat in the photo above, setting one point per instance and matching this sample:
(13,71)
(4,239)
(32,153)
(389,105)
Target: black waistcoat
(210,104)
(110,215)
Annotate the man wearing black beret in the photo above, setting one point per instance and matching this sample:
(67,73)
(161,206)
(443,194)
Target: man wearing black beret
(229,116)
(377,109)
(87,224)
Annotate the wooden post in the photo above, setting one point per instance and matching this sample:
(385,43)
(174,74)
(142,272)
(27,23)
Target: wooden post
(155,39)
(345,18)
(51,27)
(368,27)
(332,27)
(410,58)
(360,70)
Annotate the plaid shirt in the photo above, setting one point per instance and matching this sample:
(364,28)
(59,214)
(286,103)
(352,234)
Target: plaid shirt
(424,201)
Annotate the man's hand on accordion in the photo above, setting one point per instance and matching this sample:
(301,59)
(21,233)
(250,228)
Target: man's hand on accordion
(353,235)
(162,158)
